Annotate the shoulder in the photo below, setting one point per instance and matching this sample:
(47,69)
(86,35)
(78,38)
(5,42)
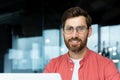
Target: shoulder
(54,63)
(104,65)
(99,58)
(59,58)
(101,61)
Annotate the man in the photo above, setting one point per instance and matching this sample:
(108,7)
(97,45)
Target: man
(80,63)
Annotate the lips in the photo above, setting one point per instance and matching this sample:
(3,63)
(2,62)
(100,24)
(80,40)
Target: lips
(74,42)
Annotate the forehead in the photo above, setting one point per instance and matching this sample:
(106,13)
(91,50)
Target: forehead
(76,21)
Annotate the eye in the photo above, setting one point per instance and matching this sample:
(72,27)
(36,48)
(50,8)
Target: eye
(80,28)
(69,28)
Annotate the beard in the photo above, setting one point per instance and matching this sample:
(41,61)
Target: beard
(76,48)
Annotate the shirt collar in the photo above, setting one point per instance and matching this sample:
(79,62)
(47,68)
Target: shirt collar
(83,59)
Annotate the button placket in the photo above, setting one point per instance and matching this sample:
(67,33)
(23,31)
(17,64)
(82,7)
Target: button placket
(71,65)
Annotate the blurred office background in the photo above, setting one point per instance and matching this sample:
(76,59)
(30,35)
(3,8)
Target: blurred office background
(30,32)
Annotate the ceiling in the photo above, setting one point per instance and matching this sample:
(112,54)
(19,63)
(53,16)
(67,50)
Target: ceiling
(103,12)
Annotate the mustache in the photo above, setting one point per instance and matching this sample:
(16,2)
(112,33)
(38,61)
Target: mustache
(76,38)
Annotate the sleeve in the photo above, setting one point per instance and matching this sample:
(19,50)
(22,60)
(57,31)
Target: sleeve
(111,71)
(50,67)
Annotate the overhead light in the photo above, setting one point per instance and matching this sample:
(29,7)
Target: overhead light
(116,60)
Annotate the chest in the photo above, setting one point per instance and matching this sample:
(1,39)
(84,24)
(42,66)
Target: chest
(86,71)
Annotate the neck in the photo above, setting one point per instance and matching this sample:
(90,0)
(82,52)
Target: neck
(78,55)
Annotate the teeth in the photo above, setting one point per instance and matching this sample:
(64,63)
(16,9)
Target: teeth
(74,41)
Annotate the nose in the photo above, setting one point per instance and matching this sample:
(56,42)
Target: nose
(75,33)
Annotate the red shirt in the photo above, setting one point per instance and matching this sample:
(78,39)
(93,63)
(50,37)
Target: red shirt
(92,67)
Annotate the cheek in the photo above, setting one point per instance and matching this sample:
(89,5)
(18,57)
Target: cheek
(66,37)
(83,37)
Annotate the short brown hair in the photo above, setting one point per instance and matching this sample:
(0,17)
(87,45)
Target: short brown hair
(74,12)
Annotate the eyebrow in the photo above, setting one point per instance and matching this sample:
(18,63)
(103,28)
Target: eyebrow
(76,26)
(68,26)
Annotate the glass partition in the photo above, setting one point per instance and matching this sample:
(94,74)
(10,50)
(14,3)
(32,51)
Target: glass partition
(31,54)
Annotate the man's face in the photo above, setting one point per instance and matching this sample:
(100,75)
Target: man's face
(77,39)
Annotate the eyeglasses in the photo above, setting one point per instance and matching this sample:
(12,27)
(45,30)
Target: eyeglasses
(70,29)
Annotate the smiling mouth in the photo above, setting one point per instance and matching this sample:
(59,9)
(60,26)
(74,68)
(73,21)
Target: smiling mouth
(74,42)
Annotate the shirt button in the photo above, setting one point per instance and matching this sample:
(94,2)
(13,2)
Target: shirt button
(71,69)
(70,61)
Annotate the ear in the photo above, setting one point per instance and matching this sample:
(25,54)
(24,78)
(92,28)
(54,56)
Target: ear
(90,31)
